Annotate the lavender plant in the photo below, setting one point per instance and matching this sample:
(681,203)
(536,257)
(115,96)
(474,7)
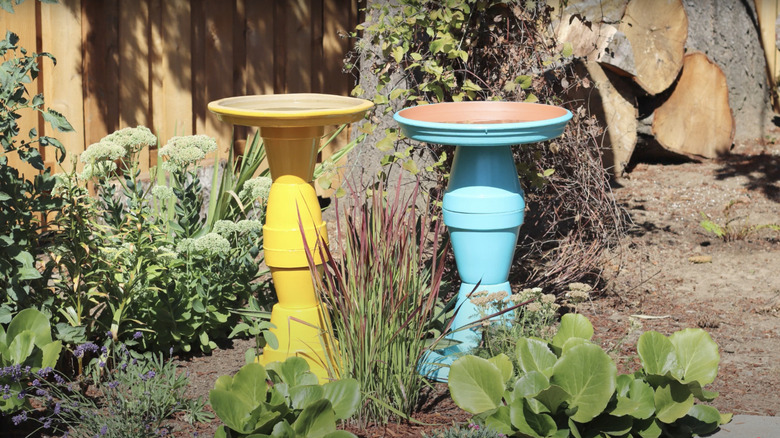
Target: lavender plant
(132,395)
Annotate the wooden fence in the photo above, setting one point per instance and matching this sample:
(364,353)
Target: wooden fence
(159,62)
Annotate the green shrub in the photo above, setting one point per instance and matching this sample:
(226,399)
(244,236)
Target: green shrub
(26,346)
(142,257)
(570,386)
(283,399)
(25,200)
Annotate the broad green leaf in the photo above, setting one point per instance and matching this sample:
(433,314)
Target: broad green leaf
(672,401)
(476,385)
(553,397)
(344,396)
(32,320)
(51,353)
(21,347)
(573,342)
(701,419)
(573,325)
(697,354)
(303,396)
(534,355)
(531,384)
(294,371)
(500,421)
(637,402)
(504,364)
(527,422)
(567,50)
(230,409)
(411,166)
(4,196)
(657,354)
(589,375)
(281,429)
(650,428)
(316,420)
(700,393)
(398,53)
(524,81)
(612,426)
(250,385)
(340,434)
(57,120)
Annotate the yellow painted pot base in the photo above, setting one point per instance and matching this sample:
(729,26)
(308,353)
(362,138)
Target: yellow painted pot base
(300,333)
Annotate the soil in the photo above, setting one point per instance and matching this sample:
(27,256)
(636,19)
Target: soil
(667,274)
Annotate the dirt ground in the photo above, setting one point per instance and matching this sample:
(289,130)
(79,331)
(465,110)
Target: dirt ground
(667,274)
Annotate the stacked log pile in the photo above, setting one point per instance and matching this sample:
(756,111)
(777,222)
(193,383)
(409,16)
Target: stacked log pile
(635,52)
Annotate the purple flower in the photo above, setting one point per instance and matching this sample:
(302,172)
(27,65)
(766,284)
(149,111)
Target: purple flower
(103,430)
(47,424)
(59,379)
(101,364)
(41,392)
(109,334)
(113,384)
(57,408)
(19,419)
(81,349)
(21,395)
(104,350)
(36,382)
(44,372)
(137,335)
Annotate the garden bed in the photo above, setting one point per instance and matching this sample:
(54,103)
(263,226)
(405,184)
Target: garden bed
(654,285)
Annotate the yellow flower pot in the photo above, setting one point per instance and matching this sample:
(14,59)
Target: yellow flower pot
(291,126)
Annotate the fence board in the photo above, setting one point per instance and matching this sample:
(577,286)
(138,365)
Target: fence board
(176,72)
(100,67)
(61,35)
(134,87)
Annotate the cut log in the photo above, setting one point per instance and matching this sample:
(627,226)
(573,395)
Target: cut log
(656,30)
(612,101)
(697,119)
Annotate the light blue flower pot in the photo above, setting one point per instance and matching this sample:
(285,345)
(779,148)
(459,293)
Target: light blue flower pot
(483,206)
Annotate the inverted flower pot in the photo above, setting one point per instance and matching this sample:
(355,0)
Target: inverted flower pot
(291,126)
(483,206)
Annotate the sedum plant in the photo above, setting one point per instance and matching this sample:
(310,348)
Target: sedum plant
(283,399)
(570,387)
(26,346)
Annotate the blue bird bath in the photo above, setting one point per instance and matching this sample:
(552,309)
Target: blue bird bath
(483,206)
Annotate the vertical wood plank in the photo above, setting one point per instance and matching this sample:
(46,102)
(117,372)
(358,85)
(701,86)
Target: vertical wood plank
(338,21)
(317,63)
(198,42)
(260,47)
(134,51)
(155,74)
(239,62)
(61,36)
(100,68)
(22,23)
(219,66)
(298,34)
(280,47)
(176,73)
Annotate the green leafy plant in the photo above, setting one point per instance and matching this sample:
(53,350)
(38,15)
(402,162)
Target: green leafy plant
(283,399)
(570,386)
(141,257)
(131,395)
(26,346)
(382,291)
(26,200)
(255,322)
(732,227)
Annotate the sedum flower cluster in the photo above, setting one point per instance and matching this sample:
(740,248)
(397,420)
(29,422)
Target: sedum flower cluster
(259,187)
(100,158)
(183,151)
(227,228)
(210,244)
(162,193)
